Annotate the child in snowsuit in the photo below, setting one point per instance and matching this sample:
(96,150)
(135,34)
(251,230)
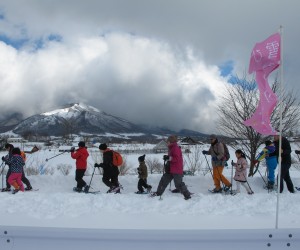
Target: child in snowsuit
(10,147)
(16,164)
(143,174)
(110,172)
(269,154)
(240,175)
(81,155)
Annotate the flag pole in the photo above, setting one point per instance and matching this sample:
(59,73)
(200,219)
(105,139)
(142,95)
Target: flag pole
(280,126)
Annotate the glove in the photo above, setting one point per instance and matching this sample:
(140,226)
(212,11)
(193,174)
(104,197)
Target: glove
(97,165)
(214,158)
(72,149)
(255,162)
(3,158)
(205,152)
(166,157)
(232,163)
(297,152)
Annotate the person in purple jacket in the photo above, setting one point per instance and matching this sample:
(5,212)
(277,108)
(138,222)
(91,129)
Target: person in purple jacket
(173,170)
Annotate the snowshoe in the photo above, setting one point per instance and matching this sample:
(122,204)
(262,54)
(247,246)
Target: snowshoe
(175,191)
(15,191)
(86,189)
(6,190)
(215,191)
(29,188)
(140,192)
(76,189)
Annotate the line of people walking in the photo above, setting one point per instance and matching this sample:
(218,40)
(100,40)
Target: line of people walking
(173,168)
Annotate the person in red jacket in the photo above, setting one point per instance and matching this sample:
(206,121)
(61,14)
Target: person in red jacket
(80,155)
(173,170)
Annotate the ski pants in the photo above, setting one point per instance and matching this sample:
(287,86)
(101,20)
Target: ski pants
(14,179)
(23,178)
(244,184)
(142,184)
(285,176)
(219,177)
(79,178)
(271,165)
(110,177)
(179,184)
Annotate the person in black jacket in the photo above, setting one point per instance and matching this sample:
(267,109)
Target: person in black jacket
(286,162)
(110,172)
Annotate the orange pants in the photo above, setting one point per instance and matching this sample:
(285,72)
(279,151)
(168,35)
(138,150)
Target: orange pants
(219,177)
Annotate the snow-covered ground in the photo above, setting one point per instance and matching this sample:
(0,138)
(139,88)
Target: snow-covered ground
(56,205)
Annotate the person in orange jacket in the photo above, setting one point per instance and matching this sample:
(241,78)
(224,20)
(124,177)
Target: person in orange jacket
(80,155)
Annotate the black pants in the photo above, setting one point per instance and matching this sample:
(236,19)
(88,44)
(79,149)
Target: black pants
(285,176)
(179,184)
(142,184)
(24,179)
(79,178)
(110,176)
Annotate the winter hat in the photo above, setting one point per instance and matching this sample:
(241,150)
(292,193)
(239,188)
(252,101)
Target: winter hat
(268,143)
(172,138)
(103,146)
(213,136)
(8,145)
(141,158)
(81,144)
(16,151)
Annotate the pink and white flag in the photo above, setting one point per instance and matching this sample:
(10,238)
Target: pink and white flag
(265,58)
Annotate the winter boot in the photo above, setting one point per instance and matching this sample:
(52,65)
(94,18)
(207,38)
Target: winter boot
(6,189)
(28,188)
(76,189)
(86,189)
(226,188)
(215,190)
(15,191)
(149,188)
(270,185)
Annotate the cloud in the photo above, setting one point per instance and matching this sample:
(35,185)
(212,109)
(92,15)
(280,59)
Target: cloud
(159,63)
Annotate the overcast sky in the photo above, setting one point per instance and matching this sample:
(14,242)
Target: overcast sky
(154,62)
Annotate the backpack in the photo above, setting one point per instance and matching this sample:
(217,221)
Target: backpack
(117,159)
(226,152)
(23,155)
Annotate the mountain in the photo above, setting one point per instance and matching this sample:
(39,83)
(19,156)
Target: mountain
(73,119)
(8,122)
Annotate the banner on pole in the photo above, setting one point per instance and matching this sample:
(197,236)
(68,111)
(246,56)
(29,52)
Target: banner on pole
(265,58)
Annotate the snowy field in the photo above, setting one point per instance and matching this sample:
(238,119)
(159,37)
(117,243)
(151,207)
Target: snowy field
(56,205)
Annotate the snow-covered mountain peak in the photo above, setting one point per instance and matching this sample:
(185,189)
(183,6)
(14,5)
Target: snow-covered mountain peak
(69,111)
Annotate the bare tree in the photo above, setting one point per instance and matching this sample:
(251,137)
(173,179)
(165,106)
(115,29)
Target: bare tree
(193,160)
(154,165)
(239,102)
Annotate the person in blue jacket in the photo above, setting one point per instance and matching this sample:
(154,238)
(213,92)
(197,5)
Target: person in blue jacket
(269,153)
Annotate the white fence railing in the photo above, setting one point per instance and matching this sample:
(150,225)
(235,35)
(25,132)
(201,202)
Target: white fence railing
(31,238)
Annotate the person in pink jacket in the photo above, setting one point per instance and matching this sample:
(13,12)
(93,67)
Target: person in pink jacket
(173,170)
(240,175)
(80,155)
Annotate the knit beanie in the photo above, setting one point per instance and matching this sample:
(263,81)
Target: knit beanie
(103,146)
(81,144)
(141,158)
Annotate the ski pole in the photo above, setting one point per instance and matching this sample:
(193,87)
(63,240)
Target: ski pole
(262,177)
(231,179)
(209,167)
(2,172)
(247,182)
(91,179)
(55,156)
